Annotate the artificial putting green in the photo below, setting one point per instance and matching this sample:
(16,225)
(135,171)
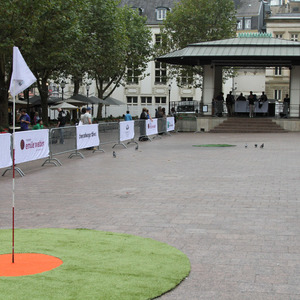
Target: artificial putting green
(96,265)
(214,145)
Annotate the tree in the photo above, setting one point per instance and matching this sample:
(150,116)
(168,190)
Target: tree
(78,38)
(54,38)
(194,21)
(16,20)
(119,39)
(45,32)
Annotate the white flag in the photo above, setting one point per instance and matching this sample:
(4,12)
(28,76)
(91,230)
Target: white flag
(21,77)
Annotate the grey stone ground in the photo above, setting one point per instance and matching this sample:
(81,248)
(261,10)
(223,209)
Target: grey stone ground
(233,211)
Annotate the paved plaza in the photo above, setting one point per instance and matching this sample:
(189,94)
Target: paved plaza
(233,211)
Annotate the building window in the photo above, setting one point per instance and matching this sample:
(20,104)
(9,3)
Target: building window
(132,75)
(278,71)
(132,100)
(160,72)
(247,23)
(294,37)
(277,94)
(239,24)
(138,9)
(161,13)
(186,98)
(160,100)
(278,36)
(158,39)
(146,100)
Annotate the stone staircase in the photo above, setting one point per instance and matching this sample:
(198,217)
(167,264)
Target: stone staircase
(248,125)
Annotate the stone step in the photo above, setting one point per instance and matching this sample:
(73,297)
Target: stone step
(247,125)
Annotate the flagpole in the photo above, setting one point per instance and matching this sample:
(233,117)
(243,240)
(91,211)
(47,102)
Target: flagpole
(13,181)
(21,79)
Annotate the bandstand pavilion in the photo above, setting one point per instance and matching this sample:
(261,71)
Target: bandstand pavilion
(245,51)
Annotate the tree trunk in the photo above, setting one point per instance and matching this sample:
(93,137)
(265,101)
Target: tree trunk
(100,96)
(43,89)
(3,102)
(77,82)
(3,107)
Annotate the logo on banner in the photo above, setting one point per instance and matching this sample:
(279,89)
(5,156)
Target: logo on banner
(170,124)
(22,144)
(127,127)
(87,135)
(151,126)
(29,144)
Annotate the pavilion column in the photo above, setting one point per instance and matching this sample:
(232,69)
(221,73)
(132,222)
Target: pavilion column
(295,91)
(212,85)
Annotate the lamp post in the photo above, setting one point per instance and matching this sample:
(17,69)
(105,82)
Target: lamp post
(87,94)
(87,89)
(169,87)
(62,85)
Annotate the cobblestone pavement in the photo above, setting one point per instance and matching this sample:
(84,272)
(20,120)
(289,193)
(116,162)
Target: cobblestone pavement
(233,211)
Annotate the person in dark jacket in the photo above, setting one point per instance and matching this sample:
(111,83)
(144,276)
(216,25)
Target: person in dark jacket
(143,118)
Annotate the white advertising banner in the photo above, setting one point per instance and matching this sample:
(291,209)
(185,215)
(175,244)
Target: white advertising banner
(151,127)
(170,123)
(5,152)
(31,145)
(126,130)
(87,136)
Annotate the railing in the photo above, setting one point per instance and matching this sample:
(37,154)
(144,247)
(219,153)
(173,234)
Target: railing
(40,144)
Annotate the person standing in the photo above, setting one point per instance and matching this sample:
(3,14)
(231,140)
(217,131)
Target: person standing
(241,97)
(219,100)
(148,115)
(286,106)
(86,117)
(36,118)
(251,100)
(128,116)
(143,118)
(230,103)
(262,99)
(24,120)
(159,112)
(61,122)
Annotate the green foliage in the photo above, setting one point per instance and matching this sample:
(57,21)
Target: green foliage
(194,21)
(71,38)
(119,39)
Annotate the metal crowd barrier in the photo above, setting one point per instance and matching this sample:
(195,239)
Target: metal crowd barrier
(64,140)
(61,140)
(140,130)
(162,126)
(109,132)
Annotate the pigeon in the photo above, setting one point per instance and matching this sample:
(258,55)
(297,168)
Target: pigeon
(114,154)
(137,147)
(262,145)
(255,145)
(246,145)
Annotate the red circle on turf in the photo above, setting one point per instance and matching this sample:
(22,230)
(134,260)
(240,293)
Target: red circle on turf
(27,264)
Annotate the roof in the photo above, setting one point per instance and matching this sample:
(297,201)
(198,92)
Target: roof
(244,8)
(284,16)
(245,50)
(148,7)
(247,7)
